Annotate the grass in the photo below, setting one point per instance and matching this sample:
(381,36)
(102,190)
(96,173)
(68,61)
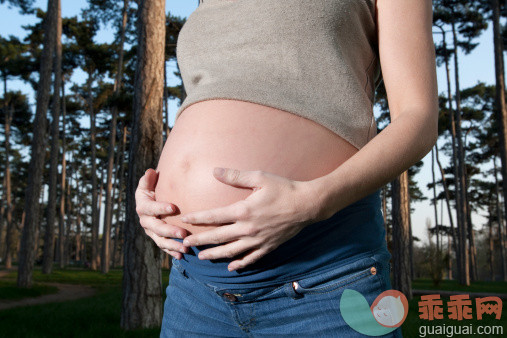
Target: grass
(96,316)
(9,290)
(99,315)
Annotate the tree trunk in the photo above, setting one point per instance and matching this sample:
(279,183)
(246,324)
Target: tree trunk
(449,211)
(95,215)
(2,215)
(63,197)
(108,215)
(500,221)
(437,225)
(142,279)
(401,233)
(119,198)
(464,275)
(78,225)
(49,237)
(491,250)
(8,187)
(501,109)
(36,167)
(454,156)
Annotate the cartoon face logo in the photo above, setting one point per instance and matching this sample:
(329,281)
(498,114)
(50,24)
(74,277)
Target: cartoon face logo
(390,308)
(389,311)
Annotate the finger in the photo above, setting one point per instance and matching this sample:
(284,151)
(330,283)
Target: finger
(240,178)
(228,214)
(228,250)
(149,180)
(218,235)
(166,243)
(250,258)
(161,228)
(175,254)
(150,207)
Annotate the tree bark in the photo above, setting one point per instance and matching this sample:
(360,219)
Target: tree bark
(501,109)
(142,279)
(401,234)
(464,275)
(36,167)
(119,199)
(8,187)
(49,237)
(500,221)
(95,215)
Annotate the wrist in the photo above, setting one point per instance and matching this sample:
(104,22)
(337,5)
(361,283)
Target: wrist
(318,200)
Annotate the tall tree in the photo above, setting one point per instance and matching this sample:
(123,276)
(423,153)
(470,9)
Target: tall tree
(401,235)
(49,238)
(106,237)
(142,288)
(501,109)
(28,244)
(464,21)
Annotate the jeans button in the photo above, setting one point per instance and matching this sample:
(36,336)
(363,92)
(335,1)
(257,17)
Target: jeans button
(230,297)
(373,270)
(295,286)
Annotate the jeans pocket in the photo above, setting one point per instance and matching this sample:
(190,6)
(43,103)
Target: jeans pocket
(338,277)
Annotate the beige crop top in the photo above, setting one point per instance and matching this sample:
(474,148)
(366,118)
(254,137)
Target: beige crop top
(314,58)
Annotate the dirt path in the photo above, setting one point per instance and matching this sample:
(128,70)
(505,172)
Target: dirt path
(4,272)
(65,292)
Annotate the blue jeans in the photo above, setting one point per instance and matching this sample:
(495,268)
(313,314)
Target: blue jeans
(306,307)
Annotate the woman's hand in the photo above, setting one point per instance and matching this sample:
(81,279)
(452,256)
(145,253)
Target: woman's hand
(149,210)
(277,210)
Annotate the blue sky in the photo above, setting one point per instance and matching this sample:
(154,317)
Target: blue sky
(475,67)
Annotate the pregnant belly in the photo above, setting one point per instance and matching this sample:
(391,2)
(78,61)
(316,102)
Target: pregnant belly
(240,135)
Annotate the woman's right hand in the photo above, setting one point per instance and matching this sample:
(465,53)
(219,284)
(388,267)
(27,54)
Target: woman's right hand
(148,210)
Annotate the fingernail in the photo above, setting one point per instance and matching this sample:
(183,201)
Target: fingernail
(169,209)
(230,268)
(219,172)
(184,219)
(146,170)
(186,242)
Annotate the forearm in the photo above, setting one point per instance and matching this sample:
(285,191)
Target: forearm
(401,144)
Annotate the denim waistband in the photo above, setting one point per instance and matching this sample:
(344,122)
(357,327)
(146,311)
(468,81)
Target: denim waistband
(349,234)
(341,274)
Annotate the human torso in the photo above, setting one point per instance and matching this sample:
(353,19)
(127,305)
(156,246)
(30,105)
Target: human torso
(280,86)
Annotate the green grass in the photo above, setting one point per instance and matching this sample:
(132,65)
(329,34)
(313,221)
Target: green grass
(9,290)
(453,285)
(96,316)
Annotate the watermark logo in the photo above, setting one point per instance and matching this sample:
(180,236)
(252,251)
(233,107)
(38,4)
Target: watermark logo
(387,312)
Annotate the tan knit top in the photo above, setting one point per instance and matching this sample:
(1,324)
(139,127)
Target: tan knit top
(314,58)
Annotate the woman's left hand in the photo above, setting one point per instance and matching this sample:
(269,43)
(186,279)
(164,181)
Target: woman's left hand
(277,210)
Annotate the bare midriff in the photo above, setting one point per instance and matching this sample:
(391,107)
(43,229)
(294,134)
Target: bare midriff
(239,135)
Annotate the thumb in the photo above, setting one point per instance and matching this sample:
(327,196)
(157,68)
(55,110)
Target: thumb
(238,178)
